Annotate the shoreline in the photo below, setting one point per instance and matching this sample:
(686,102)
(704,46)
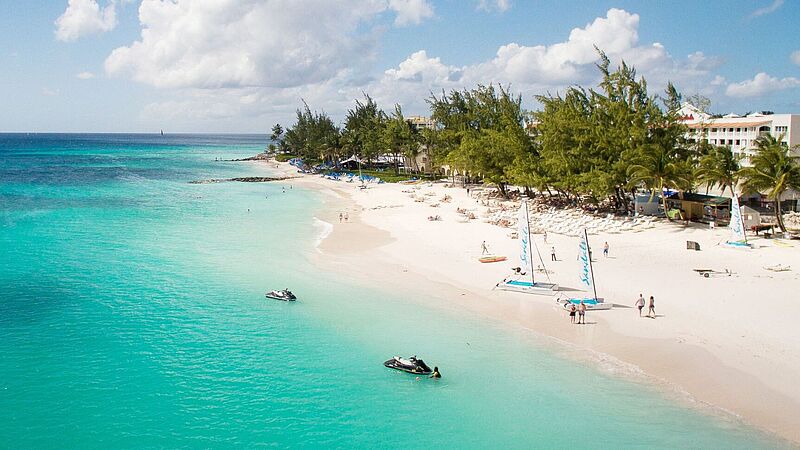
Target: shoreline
(703,370)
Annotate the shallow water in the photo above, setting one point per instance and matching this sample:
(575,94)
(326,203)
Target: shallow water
(132,315)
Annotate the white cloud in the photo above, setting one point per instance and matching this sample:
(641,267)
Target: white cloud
(332,86)
(85,75)
(83,17)
(539,69)
(776,4)
(250,43)
(494,5)
(795,57)
(411,11)
(760,84)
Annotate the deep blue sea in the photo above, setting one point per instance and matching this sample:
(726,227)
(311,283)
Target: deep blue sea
(132,315)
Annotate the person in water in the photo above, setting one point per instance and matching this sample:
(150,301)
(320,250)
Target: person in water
(436,373)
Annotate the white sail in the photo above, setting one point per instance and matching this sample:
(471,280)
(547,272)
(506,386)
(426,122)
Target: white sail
(736,227)
(526,263)
(585,271)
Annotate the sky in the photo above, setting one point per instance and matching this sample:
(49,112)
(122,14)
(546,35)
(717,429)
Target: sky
(244,65)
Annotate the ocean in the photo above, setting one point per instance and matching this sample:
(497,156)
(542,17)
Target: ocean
(132,315)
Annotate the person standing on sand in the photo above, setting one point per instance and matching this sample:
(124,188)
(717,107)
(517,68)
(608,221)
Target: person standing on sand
(346,217)
(484,248)
(545,236)
(605,249)
(640,304)
(582,313)
(340,217)
(652,308)
(553,254)
(572,310)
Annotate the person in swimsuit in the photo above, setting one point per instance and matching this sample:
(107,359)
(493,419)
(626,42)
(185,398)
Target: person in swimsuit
(582,313)
(572,310)
(640,304)
(435,373)
(652,308)
(605,249)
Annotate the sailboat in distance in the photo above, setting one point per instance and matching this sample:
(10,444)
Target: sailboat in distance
(526,262)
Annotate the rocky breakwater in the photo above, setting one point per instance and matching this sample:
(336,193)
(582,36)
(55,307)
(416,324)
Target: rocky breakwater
(241,180)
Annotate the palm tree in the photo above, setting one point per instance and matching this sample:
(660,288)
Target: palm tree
(658,168)
(719,167)
(773,170)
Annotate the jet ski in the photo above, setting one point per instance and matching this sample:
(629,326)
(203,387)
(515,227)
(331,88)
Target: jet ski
(284,295)
(410,365)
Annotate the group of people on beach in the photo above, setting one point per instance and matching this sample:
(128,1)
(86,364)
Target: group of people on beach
(580,309)
(344,216)
(651,311)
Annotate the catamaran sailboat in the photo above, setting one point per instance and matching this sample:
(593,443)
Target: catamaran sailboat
(738,238)
(586,275)
(526,262)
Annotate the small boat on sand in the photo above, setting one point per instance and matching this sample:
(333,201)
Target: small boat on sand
(492,259)
(410,365)
(284,295)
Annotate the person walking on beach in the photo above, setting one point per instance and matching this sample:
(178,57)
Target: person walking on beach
(484,248)
(572,310)
(582,313)
(652,308)
(346,217)
(545,236)
(640,304)
(553,254)
(340,217)
(605,249)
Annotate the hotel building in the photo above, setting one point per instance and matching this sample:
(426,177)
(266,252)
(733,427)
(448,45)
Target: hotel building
(740,132)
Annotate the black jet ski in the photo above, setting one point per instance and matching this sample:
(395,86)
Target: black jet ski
(285,295)
(410,365)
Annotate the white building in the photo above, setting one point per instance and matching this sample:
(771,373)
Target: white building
(739,133)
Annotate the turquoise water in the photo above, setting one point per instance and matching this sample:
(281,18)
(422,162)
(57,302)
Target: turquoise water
(132,315)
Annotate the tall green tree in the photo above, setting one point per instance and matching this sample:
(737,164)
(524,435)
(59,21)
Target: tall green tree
(657,168)
(313,136)
(399,137)
(363,132)
(719,167)
(773,171)
(482,131)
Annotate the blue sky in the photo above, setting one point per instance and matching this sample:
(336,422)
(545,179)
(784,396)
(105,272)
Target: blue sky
(243,65)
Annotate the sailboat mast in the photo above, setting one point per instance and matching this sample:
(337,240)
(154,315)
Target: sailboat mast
(589,255)
(530,249)
(741,218)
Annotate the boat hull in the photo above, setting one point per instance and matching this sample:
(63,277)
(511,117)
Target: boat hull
(526,287)
(591,304)
(492,259)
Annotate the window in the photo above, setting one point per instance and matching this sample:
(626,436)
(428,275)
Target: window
(738,130)
(713,130)
(737,141)
(730,141)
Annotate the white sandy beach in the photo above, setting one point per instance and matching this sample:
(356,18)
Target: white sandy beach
(729,342)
